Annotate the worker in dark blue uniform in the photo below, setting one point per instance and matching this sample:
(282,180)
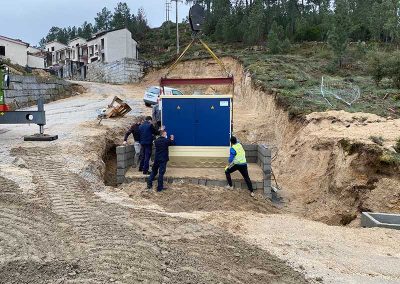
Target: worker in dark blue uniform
(161,159)
(134,130)
(146,133)
(238,162)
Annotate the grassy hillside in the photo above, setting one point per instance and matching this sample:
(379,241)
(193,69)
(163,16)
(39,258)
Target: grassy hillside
(296,76)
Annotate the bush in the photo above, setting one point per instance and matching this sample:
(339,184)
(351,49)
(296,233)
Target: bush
(377,140)
(397,145)
(393,69)
(383,65)
(390,158)
(276,41)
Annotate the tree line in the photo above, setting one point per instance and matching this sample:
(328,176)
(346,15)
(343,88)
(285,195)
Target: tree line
(122,17)
(302,20)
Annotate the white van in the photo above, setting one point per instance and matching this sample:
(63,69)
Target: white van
(151,95)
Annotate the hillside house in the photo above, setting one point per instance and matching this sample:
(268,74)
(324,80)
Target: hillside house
(72,60)
(111,46)
(19,52)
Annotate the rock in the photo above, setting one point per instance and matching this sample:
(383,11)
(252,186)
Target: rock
(391,149)
(20,163)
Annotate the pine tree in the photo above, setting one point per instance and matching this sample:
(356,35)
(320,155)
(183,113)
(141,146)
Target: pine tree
(256,28)
(274,42)
(339,34)
(121,17)
(103,20)
(86,30)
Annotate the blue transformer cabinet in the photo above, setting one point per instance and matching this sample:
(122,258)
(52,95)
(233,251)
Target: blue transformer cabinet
(198,120)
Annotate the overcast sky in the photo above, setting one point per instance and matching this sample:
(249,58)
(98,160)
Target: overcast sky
(30,20)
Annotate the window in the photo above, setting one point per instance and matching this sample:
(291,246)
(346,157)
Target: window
(176,92)
(95,47)
(103,57)
(102,43)
(2,50)
(155,91)
(52,49)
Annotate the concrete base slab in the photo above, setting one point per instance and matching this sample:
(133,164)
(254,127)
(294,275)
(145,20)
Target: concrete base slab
(205,176)
(384,220)
(41,137)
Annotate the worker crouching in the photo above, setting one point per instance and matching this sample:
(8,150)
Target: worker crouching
(238,162)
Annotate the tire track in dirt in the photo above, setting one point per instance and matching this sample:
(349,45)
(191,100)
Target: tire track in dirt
(65,233)
(109,247)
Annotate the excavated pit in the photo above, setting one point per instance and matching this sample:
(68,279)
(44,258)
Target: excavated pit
(322,179)
(110,161)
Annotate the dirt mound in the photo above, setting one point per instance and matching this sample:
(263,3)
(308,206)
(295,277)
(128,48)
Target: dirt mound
(190,198)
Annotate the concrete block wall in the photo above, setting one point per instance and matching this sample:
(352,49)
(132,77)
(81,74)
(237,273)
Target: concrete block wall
(24,91)
(123,71)
(259,154)
(125,156)
(251,153)
(264,161)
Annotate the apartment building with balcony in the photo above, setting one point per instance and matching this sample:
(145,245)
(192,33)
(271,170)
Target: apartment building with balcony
(72,60)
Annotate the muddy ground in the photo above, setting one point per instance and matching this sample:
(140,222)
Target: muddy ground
(61,224)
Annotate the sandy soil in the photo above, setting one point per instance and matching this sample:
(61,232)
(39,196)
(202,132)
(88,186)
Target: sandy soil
(60,224)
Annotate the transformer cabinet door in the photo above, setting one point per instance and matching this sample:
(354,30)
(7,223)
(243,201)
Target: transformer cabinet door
(179,120)
(213,122)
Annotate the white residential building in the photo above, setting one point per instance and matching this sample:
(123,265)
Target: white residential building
(36,57)
(14,49)
(112,46)
(78,48)
(57,51)
(72,60)
(19,52)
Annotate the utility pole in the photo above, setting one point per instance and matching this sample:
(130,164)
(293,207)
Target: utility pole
(167,10)
(177,26)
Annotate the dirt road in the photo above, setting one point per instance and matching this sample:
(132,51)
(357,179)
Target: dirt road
(60,224)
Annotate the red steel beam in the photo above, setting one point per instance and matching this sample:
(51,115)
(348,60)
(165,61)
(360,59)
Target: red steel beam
(196,81)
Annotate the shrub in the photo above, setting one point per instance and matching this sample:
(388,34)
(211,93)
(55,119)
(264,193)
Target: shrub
(376,67)
(390,158)
(393,69)
(276,41)
(383,65)
(377,140)
(397,145)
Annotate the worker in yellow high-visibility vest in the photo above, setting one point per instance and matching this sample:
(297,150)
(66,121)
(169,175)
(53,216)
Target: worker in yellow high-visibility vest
(237,162)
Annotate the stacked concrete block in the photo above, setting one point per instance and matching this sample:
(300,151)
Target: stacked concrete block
(123,71)
(125,155)
(259,154)
(26,90)
(264,161)
(251,153)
